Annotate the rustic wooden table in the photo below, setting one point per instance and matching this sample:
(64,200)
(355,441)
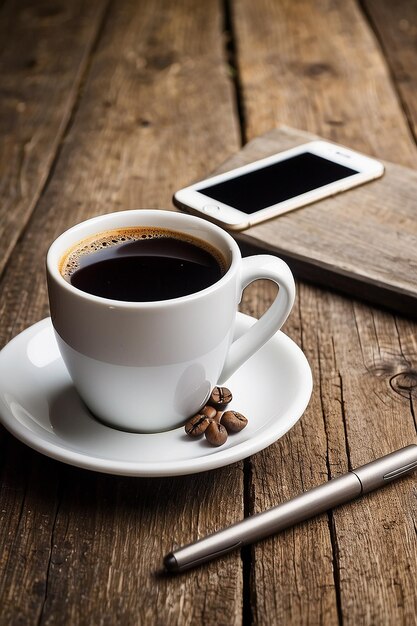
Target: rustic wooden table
(111,105)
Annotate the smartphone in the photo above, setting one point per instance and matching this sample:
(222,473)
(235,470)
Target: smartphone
(277,184)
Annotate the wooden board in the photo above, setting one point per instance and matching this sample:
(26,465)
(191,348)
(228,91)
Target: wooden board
(395,28)
(362,242)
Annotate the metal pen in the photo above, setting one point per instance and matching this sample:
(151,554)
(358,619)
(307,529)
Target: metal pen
(318,500)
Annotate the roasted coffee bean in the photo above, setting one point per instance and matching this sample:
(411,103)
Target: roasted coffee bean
(197,425)
(209,411)
(220,398)
(233,421)
(216,434)
(218,416)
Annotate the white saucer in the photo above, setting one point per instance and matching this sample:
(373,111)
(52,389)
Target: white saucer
(40,406)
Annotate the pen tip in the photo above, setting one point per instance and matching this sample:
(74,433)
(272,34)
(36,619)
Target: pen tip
(170,563)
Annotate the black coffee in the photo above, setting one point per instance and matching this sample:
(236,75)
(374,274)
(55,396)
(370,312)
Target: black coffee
(142,265)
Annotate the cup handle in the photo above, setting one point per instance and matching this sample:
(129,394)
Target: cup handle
(262,266)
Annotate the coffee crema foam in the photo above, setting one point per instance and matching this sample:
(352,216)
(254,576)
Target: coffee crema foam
(70,261)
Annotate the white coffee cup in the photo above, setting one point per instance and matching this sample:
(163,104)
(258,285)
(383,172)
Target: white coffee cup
(149,366)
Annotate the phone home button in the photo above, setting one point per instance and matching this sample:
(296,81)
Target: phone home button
(211,208)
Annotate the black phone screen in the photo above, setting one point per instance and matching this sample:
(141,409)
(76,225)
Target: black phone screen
(277,182)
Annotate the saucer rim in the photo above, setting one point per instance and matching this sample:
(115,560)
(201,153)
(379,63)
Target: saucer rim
(161,469)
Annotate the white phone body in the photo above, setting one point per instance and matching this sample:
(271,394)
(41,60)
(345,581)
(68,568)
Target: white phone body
(316,154)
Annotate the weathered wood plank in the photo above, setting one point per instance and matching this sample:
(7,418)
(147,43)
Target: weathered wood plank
(44,53)
(145,123)
(303,64)
(376,537)
(316,66)
(29,500)
(395,24)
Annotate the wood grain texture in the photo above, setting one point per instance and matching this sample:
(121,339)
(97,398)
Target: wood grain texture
(317,66)
(144,123)
(362,242)
(44,53)
(395,25)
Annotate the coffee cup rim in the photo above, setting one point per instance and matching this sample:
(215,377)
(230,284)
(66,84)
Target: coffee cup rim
(57,250)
